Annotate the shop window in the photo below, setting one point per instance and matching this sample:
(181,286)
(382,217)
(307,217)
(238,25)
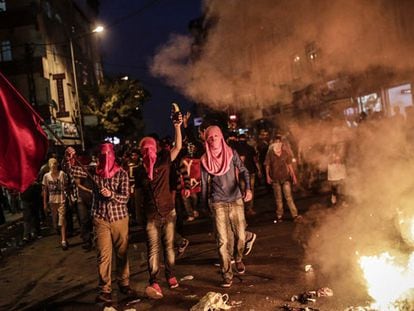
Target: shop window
(400,98)
(370,103)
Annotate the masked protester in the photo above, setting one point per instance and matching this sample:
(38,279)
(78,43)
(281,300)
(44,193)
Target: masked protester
(110,220)
(159,208)
(280,174)
(220,167)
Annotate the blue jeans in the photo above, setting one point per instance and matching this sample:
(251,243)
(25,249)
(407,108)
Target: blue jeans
(160,232)
(287,192)
(229,220)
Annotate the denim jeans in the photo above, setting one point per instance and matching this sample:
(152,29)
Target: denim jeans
(287,192)
(229,220)
(160,232)
(190,204)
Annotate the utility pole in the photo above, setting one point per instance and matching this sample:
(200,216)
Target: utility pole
(75,81)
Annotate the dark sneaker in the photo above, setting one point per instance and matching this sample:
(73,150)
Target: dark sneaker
(172,282)
(183,246)
(65,245)
(104,297)
(240,267)
(128,291)
(249,244)
(154,291)
(226,283)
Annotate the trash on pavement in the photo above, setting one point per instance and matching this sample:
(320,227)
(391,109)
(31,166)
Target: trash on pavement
(286,307)
(235,303)
(130,303)
(212,301)
(109,309)
(187,278)
(358,308)
(311,295)
(308,268)
(324,292)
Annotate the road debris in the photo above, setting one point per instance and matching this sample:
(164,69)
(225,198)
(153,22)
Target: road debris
(311,295)
(286,307)
(187,278)
(212,301)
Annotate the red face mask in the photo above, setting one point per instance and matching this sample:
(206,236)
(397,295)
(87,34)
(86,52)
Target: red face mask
(107,166)
(148,147)
(218,154)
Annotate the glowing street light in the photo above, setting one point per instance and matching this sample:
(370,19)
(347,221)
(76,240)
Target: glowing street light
(99,28)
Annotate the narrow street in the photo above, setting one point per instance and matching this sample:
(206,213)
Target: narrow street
(40,276)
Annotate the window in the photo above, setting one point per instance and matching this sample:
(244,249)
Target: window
(5,51)
(2,5)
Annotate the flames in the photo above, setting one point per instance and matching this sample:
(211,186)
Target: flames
(390,278)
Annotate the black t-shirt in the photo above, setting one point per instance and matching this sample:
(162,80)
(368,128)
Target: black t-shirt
(247,154)
(157,194)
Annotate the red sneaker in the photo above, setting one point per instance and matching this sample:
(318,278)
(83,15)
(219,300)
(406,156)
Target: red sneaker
(172,282)
(154,291)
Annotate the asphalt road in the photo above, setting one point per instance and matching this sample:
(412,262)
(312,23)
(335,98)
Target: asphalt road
(41,276)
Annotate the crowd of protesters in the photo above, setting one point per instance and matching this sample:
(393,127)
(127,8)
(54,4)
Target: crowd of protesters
(159,185)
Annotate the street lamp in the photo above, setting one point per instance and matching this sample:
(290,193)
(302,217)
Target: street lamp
(75,81)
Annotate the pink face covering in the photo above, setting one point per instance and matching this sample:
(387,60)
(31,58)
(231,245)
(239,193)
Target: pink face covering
(218,154)
(107,166)
(148,147)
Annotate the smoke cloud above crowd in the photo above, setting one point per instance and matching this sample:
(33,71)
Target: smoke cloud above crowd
(254,53)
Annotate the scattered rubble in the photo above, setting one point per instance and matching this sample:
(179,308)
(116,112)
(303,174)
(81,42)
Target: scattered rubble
(311,295)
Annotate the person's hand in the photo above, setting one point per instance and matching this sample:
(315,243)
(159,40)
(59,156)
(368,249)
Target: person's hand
(269,180)
(187,193)
(106,192)
(186,118)
(179,121)
(248,196)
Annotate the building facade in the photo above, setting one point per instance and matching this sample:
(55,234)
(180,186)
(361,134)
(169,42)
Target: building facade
(48,50)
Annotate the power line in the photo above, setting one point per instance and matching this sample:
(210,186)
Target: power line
(146,6)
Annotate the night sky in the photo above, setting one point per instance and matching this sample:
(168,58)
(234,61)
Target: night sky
(134,30)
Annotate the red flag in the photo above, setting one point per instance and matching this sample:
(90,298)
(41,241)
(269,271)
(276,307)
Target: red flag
(23,143)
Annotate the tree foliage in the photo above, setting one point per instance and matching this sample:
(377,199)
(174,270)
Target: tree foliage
(117,104)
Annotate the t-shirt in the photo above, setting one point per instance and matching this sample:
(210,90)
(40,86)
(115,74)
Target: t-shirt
(55,186)
(247,154)
(157,193)
(278,169)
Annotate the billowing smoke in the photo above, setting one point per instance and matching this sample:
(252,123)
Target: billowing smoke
(379,209)
(256,53)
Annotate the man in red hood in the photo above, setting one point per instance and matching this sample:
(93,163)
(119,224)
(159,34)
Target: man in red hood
(220,167)
(110,219)
(159,208)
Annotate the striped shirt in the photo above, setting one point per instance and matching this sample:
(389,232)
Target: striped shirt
(115,208)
